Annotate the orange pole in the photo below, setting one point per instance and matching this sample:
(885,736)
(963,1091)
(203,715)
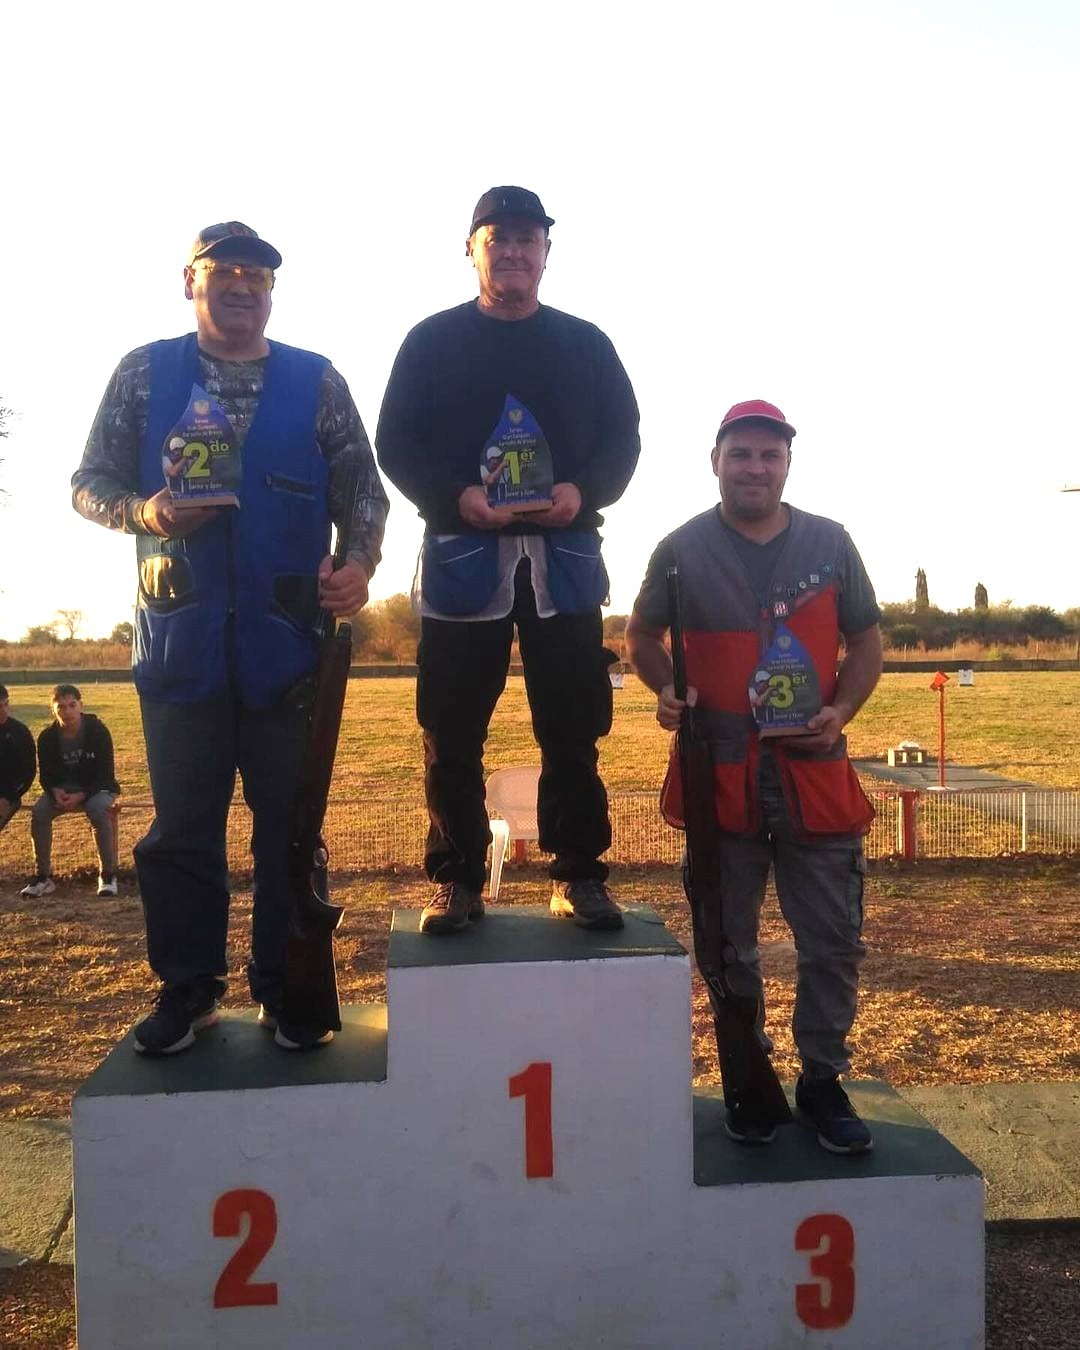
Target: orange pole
(941,737)
(909,847)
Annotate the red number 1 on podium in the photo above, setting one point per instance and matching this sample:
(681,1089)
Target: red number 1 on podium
(534,1084)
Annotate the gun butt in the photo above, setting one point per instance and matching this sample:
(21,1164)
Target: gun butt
(310,996)
(745,1068)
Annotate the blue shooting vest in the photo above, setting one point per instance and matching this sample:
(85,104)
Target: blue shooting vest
(234,606)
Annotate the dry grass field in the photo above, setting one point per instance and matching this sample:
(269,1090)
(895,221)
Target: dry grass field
(972,974)
(972,977)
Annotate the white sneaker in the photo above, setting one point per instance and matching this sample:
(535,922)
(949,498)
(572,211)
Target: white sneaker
(38,886)
(107,886)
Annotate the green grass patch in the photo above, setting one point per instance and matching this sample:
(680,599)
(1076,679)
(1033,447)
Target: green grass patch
(1014,723)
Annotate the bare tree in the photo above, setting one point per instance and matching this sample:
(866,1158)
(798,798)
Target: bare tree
(71,620)
(5,413)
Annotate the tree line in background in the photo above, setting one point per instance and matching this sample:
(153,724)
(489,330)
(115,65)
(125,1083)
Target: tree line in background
(917,623)
(388,630)
(387,633)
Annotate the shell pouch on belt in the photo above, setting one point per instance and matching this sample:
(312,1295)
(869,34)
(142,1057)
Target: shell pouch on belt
(576,576)
(459,572)
(734,765)
(170,643)
(824,795)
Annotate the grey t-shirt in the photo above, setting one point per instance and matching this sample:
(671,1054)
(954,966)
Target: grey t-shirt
(856,603)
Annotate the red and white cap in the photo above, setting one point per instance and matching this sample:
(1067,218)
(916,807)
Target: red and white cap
(756,410)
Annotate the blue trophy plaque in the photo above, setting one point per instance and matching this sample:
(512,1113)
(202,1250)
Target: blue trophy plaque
(516,469)
(200,458)
(784,692)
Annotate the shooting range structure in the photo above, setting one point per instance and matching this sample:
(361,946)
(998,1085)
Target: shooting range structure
(508,1153)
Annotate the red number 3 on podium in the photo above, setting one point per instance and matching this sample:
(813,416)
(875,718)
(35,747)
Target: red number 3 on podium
(830,1300)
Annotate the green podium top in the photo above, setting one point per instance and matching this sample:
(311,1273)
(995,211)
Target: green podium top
(238,1055)
(905,1144)
(518,933)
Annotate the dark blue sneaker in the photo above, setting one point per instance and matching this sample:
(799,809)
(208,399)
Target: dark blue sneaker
(180,1010)
(824,1106)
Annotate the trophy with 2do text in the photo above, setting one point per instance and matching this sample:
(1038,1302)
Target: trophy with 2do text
(200,458)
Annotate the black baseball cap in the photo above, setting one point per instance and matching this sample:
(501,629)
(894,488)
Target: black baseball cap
(233,239)
(498,202)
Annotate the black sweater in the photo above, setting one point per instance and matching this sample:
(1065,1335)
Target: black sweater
(447,390)
(17,761)
(94,771)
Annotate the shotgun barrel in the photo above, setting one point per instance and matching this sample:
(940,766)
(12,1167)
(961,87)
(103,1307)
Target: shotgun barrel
(748,1076)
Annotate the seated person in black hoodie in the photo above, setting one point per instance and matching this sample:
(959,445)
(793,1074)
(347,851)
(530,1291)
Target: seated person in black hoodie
(75,764)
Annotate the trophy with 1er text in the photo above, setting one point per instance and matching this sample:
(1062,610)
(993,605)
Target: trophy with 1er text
(516,469)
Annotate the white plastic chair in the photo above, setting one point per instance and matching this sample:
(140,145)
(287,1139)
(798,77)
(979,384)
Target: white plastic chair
(511,793)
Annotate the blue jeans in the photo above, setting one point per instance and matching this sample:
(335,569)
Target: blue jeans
(194,751)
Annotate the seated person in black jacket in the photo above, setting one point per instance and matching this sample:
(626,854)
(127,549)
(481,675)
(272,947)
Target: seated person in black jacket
(75,764)
(17,760)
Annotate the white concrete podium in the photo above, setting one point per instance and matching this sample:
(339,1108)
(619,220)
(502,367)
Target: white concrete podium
(507,1156)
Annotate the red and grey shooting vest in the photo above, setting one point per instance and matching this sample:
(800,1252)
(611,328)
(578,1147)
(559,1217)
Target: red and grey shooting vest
(727,627)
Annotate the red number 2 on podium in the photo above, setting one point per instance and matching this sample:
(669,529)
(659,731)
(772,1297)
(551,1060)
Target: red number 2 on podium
(534,1084)
(830,1300)
(233,1289)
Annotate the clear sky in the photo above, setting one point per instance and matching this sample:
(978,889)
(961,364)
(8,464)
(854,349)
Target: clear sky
(866,213)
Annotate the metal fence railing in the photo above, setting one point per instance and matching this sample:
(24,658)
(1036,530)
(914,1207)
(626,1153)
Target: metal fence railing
(366,835)
(935,824)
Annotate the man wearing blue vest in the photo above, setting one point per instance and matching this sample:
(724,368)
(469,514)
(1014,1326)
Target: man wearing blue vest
(226,618)
(466,381)
(767,593)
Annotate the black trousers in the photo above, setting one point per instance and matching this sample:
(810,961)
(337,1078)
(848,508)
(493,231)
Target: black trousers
(462,672)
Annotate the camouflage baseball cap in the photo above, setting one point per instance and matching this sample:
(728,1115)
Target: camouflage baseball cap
(231,238)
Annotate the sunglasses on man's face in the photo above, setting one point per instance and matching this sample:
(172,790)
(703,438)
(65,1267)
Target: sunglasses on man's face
(256,278)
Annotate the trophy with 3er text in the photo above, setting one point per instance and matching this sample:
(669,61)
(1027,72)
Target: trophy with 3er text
(784,692)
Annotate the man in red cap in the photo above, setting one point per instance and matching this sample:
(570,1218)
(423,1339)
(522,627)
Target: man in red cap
(767,593)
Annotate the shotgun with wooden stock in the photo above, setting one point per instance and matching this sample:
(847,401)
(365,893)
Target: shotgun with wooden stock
(749,1079)
(310,997)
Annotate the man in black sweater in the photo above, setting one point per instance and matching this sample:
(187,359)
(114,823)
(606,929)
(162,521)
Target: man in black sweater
(478,375)
(75,765)
(17,760)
